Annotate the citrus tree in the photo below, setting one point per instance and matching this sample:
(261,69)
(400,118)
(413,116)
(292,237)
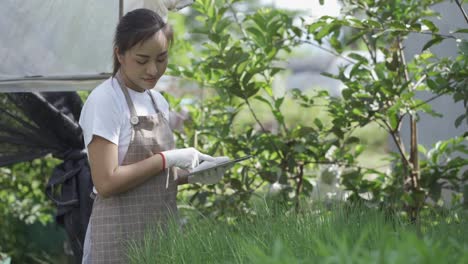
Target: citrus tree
(384,92)
(238,61)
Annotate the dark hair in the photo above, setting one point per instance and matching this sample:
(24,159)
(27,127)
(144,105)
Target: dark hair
(136,26)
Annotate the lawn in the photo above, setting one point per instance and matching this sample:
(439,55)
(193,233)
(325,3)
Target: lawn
(320,234)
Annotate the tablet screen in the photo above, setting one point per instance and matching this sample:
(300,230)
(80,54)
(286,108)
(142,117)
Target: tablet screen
(222,164)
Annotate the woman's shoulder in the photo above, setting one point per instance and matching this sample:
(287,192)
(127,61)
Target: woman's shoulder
(105,94)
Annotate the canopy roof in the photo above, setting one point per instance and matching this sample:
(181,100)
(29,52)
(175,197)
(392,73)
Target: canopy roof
(56,45)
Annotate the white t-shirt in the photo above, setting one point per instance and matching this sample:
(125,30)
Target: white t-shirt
(106,113)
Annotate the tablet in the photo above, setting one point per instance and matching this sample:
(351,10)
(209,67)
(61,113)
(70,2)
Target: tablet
(222,164)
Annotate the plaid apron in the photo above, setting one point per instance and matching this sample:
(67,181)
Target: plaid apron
(117,220)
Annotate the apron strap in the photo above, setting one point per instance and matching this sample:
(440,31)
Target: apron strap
(133,115)
(155,105)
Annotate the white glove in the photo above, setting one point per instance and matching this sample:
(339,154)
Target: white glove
(209,176)
(186,158)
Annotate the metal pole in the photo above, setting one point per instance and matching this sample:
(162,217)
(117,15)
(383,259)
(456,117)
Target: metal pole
(121,5)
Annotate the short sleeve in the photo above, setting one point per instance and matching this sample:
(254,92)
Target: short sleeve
(101,115)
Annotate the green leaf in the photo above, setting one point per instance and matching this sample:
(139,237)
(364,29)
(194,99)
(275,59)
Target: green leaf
(357,112)
(359,149)
(356,22)
(241,67)
(435,40)
(464,30)
(279,102)
(324,31)
(422,149)
(380,71)
(312,27)
(257,36)
(364,96)
(203,31)
(318,123)
(275,70)
(393,63)
(347,93)
(214,37)
(463,47)
(355,37)
(431,84)
(211,10)
(372,23)
(393,118)
(426,55)
(260,21)
(222,25)
(198,7)
(358,57)
(396,25)
(458,97)
(251,89)
(303,132)
(329,75)
(442,145)
(416,27)
(353,140)
(356,69)
(279,116)
(271,53)
(322,93)
(297,31)
(336,44)
(459,120)
(432,27)
(321,2)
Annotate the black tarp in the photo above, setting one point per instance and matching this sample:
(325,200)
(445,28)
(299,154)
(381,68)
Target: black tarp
(33,125)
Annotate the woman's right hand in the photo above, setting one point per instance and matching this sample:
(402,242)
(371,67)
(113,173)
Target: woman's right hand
(186,158)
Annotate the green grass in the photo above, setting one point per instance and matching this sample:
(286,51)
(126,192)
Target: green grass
(337,234)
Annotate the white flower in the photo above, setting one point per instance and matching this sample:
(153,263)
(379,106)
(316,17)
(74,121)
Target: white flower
(331,152)
(374,106)
(388,172)
(335,169)
(275,188)
(331,195)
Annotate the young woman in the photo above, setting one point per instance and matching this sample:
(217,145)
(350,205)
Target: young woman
(130,144)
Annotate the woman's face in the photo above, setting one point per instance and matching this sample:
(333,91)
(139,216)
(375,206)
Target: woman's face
(143,64)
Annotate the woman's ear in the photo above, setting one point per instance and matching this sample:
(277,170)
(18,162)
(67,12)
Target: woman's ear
(118,55)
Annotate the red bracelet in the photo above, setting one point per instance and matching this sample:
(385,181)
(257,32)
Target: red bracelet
(163,160)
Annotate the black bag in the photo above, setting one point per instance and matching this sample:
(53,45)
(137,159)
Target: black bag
(69,187)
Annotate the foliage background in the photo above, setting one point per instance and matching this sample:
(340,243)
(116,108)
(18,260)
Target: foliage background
(305,142)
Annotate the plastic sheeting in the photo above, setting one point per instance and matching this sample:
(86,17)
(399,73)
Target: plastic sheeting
(56,38)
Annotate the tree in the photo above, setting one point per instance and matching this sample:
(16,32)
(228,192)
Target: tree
(238,61)
(384,91)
